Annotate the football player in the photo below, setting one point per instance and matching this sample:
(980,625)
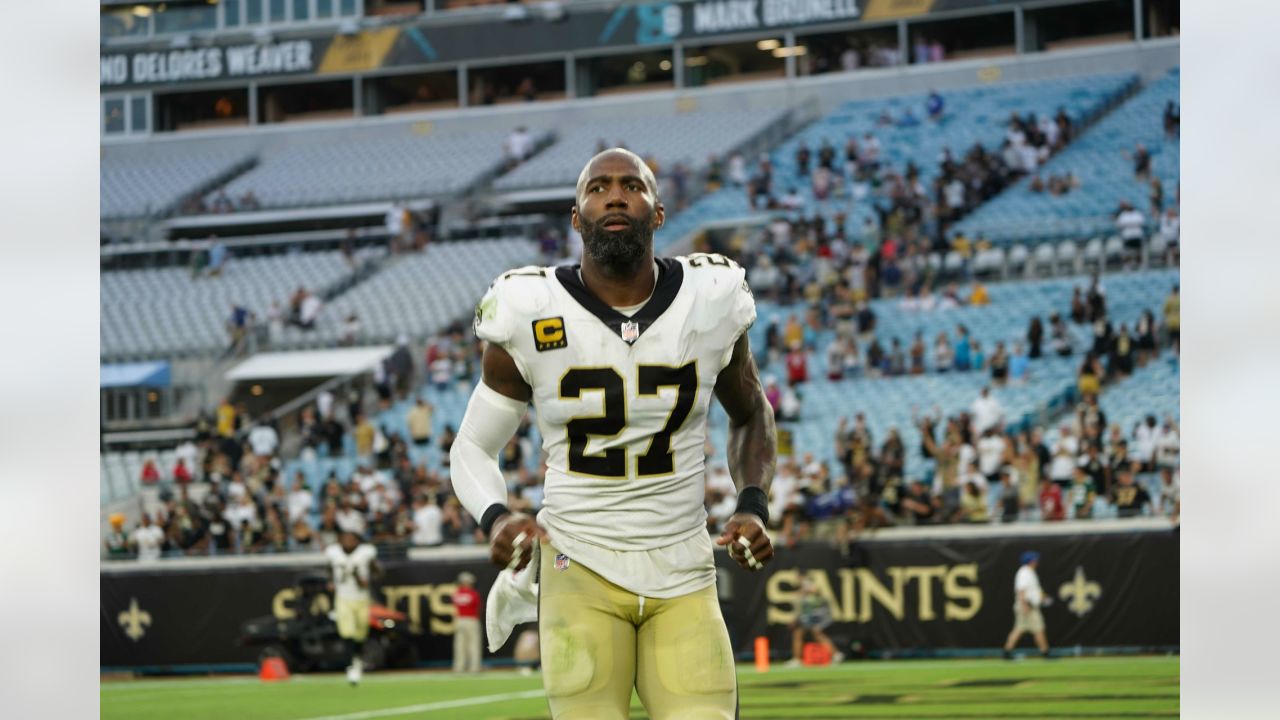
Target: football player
(352,567)
(620,357)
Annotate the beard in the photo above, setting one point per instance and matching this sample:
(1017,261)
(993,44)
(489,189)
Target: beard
(617,253)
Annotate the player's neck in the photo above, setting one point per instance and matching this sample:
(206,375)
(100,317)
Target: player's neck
(621,288)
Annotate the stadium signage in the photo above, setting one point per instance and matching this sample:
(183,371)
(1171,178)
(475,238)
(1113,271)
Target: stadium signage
(202,64)
(721,16)
(1114,589)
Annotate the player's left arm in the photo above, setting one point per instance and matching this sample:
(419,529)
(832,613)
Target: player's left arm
(752,455)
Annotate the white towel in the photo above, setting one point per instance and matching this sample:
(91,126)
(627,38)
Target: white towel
(513,599)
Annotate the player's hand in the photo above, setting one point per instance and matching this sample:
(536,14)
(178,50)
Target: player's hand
(511,540)
(748,543)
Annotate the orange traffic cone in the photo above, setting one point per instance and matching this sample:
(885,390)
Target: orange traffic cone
(273,668)
(762,654)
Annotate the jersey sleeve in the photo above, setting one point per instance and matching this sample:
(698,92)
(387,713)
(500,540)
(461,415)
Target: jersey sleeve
(504,315)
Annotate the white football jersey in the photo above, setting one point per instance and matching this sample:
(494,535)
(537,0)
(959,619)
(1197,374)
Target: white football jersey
(347,567)
(622,404)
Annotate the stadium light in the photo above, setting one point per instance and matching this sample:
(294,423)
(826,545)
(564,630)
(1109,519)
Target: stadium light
(769,44)
(141,11)
(696,61)
(796,51)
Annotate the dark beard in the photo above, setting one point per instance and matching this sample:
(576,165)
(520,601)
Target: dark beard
(617,253)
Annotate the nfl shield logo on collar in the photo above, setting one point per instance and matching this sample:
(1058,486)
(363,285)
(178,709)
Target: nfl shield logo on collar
(562,561)
(630,331)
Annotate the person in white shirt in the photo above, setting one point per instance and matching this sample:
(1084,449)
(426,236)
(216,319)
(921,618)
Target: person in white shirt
(1065,457)
(301,501)
(987,412)
(149,539)
(991,447)
(519,145)
(1144,443)
(264,440)
(428,522)
(1131,222)
(1026,608)
(324,404)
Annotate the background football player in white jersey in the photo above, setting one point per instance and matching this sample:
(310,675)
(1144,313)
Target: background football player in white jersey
(620,358)
(353,565)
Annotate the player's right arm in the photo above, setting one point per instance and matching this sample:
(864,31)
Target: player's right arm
(493,415)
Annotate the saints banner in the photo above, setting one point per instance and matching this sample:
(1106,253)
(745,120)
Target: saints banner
(1106,590)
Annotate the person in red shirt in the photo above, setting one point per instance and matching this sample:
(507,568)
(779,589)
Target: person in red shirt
(150,473)
(1051,507)
(466,625)
(797,365)
(181,474)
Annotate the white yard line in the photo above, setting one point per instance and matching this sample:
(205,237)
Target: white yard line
(428,707)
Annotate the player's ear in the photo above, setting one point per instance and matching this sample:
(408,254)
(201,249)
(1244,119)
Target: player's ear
(574,221)
(660,216)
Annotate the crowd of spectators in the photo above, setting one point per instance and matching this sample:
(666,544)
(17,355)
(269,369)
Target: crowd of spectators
(981,473)
(226,494)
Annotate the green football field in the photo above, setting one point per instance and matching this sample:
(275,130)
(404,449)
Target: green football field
(1107,687)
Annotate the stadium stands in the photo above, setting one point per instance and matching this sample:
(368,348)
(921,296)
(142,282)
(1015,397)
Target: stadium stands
(1098,158)
(977,115)
(150,313)
(141,181)
(396,165)
(418,294)
(689,138)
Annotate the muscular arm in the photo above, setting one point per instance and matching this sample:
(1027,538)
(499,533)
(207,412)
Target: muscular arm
(753,440)
(752,455)
(492,417)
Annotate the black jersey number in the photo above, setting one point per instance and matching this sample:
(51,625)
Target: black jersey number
(697,259)
(659,459)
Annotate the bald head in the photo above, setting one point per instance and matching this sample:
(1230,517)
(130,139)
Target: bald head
(593,169)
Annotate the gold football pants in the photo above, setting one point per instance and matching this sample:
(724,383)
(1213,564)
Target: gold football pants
(598,641)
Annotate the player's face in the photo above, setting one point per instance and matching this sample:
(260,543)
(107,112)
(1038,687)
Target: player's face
(616,212)
(349,542)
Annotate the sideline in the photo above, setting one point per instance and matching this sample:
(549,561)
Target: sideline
(444,705)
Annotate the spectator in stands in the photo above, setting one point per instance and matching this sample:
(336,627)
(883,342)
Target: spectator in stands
(249,201)
(917,353)
(419,422)
(238,328)
(1000,365)
(1157,198)
(1130,498)
(987,412)
(1051,506)
(222,202)
(962,350)
(148,540)
(1035,338)
(936,52)
(217,253)
(1170,494)
(518,146)
(1167,445)
(1172,120)
(979,360)
(300,502)
(802,159)
(527,89)
(350,330)
(934,105)
(919,506)
(943,359)
(1060,336)
(1145,339)
(428,522)
(150,472)
(973,504)
(1170,228)
(264,440)
(1172,321)
(1089,377)
(1141,162)
(738,170)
